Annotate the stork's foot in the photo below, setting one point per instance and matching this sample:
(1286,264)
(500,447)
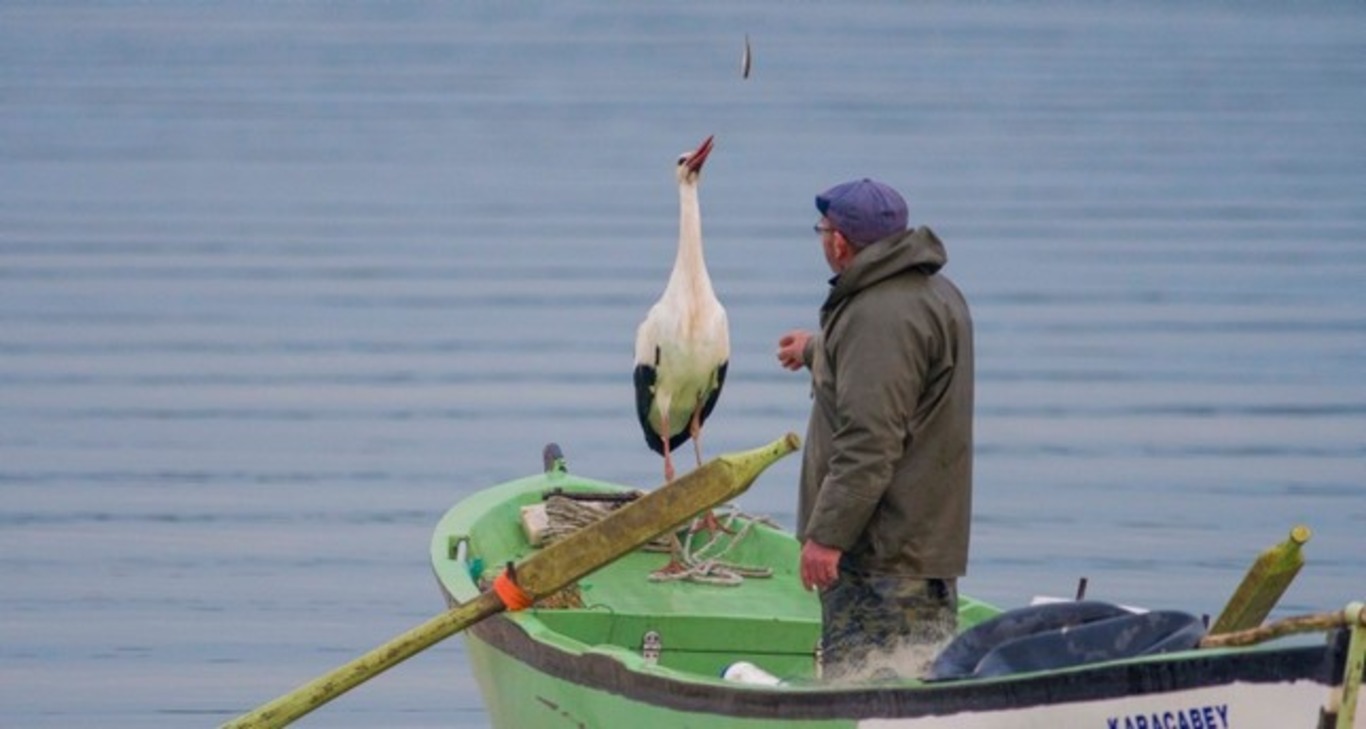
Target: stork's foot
(674,567)
(709,523)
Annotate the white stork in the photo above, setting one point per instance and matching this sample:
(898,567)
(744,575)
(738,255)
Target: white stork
(683,346)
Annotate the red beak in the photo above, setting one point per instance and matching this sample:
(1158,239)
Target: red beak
(700,156)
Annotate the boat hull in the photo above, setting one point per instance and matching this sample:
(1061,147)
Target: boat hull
(526,684)
(588,666)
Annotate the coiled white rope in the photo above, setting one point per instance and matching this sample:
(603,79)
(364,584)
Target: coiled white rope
(692,559)
(566,515)
(704,563)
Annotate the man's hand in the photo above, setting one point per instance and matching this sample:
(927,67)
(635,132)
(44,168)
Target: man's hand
(820,565)
(791,347)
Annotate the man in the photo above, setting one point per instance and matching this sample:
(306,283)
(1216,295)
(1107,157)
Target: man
(886,482)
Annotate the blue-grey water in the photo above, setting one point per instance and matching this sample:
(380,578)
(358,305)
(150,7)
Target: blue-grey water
(281,282)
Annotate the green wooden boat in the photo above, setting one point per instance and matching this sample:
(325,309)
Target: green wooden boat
(621,650)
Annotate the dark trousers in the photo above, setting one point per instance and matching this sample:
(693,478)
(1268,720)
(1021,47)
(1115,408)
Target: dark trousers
(877,627)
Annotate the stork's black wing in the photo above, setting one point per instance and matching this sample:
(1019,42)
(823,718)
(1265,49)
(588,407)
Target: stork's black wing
(645,387)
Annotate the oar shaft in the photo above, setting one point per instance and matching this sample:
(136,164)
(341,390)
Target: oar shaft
(289,707)
(594,546)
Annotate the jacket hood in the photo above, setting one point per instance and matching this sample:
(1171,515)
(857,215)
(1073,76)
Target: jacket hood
(914,249)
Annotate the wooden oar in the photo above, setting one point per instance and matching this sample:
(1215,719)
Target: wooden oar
(543,573)
(1266,580)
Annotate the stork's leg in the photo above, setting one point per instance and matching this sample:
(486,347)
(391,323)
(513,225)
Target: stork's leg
(664,436)
(695,429)
(707,521)
(677,562)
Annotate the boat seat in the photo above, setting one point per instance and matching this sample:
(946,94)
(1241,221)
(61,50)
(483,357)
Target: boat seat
(1061,635)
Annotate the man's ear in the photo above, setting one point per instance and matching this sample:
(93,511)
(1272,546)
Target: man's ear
(844,250)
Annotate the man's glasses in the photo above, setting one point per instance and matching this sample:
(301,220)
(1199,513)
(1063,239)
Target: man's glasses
(822,229)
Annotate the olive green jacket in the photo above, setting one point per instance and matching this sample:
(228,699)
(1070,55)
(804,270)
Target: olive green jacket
(887,468)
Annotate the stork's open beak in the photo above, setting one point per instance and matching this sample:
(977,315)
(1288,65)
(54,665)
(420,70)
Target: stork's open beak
(700,156)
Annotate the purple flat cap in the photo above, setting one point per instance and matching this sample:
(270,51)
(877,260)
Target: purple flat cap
(865,211)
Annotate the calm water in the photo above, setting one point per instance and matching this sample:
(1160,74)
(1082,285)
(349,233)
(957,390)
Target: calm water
(280,282)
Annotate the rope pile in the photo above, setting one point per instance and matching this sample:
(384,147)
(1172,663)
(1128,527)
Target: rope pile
(567,514)
(704,563)
(693,559)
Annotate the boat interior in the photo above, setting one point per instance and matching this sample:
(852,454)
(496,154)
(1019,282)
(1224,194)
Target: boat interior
(672,625)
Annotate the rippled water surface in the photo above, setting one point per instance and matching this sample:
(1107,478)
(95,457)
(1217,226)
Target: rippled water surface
(280,282)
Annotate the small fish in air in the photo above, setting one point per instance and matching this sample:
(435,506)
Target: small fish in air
(746,59)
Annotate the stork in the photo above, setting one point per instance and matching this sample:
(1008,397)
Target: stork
(683,346)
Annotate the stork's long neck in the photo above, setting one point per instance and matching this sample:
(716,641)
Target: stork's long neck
(689,276)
